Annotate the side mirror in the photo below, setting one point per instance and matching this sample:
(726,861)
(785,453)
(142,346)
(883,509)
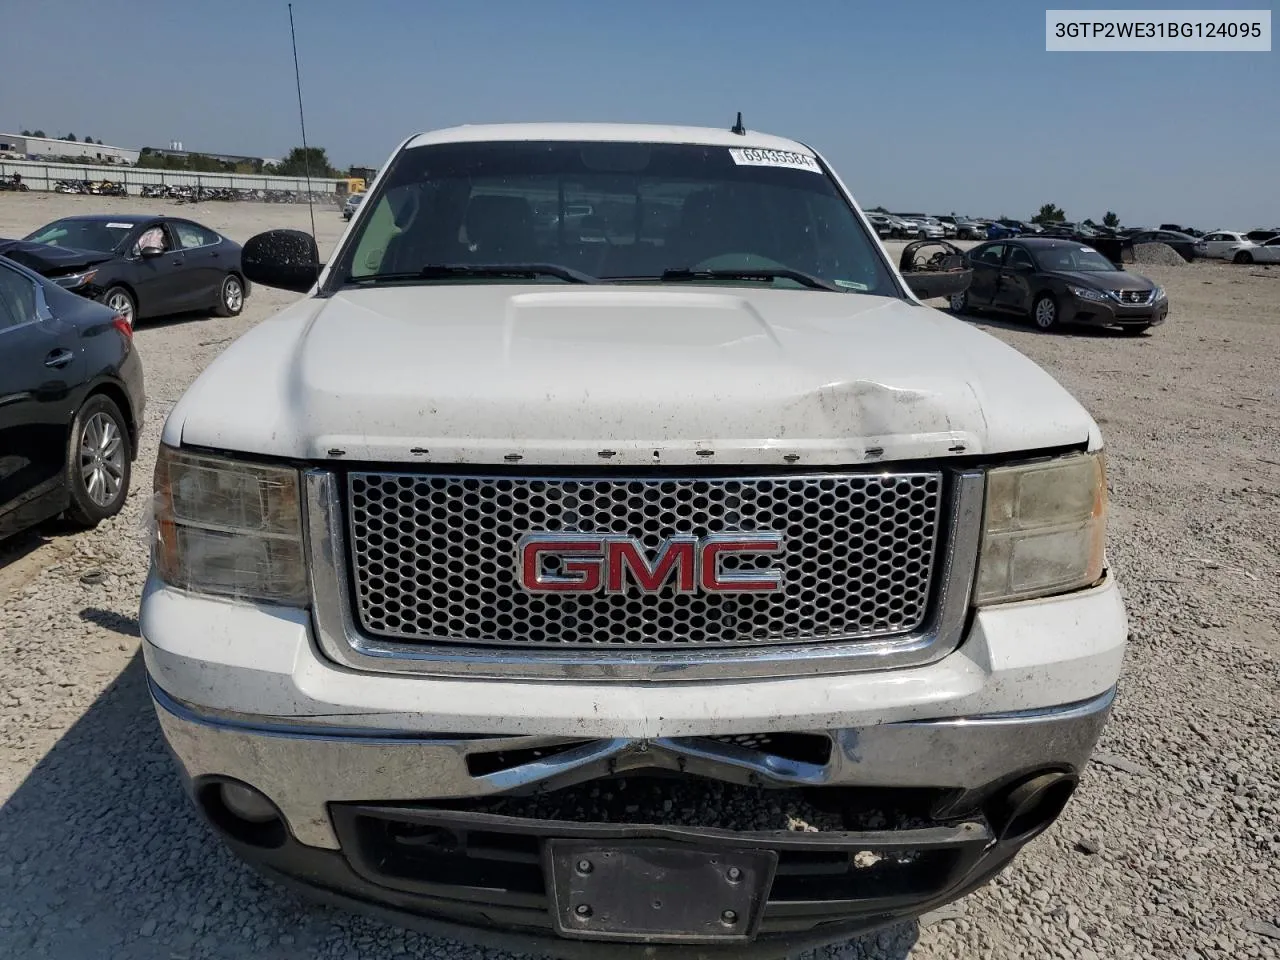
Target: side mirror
(148,252)
(285,259)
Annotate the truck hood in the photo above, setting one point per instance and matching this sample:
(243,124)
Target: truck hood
(587,375)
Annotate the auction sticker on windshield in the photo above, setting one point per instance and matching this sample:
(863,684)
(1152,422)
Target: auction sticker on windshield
(756,157)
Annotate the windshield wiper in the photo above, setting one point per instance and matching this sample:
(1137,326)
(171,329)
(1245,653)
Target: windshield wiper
(758,273)
(449,271)
(434,271)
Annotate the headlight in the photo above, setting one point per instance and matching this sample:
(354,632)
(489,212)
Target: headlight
(1088,293)
(1044,528)
(74,280)
(1158,295)
(229,527)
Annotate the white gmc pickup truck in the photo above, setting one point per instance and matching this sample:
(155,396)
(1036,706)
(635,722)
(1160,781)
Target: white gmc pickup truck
(610,546)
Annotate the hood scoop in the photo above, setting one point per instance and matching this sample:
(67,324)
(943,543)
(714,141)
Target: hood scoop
(652,320)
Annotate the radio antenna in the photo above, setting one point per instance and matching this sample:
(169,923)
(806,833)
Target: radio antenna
(302,120)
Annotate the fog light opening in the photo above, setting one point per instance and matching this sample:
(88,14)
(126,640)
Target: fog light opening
(243,813)
(1029,808)
(247,803)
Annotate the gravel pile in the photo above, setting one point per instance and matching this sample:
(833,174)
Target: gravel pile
(1157,253)
(1170,849)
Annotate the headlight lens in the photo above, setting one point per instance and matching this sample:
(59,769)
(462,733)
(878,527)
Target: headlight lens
(1088,293)
(72,281)
(229,527)
(1044,528)
(1159,294)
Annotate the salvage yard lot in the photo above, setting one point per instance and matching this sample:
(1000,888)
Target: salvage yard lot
(1170,849)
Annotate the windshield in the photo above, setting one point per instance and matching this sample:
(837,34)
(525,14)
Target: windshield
(102,236)
(619,212)
(1080,259)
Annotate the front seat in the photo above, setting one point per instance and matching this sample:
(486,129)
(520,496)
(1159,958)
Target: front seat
(500,230)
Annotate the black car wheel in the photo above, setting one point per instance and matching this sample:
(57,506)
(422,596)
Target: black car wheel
(960,302)
(1044,313)
(98,462)
(121,301)
(1244,256)
(230,296)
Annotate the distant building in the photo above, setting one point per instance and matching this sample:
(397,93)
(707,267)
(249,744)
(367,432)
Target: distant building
(177,151)
(16,146)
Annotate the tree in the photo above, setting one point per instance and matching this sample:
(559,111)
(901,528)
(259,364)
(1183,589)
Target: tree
(300,162)
(192,162)
(1049,213)
(26,133)
(70,138)
(1111,220)
(38,133)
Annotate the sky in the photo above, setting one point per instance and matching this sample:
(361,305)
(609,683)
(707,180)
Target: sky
(935,106)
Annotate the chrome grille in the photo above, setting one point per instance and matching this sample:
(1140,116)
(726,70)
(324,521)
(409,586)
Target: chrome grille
(1133,296)
(433,557)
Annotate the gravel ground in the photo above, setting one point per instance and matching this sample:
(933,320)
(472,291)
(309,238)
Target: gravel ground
(1170,849)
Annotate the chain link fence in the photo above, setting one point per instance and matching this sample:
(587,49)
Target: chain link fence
(177,184)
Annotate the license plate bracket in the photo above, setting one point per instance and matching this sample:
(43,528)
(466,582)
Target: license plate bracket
(654,892)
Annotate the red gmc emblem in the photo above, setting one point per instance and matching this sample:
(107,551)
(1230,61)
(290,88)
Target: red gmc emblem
(591,563)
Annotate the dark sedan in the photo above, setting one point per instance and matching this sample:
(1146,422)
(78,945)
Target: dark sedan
(1183,243)
(141,267)
(1056,282)
(71,404)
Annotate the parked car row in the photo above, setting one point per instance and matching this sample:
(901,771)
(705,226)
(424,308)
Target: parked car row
(918,226)
(1261,245)
(139,266)
(71,387)
(1256,246)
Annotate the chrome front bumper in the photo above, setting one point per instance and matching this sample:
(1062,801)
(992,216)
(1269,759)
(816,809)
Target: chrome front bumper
(303,769)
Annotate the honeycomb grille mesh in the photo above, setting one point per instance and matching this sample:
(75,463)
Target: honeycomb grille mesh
(433,557)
